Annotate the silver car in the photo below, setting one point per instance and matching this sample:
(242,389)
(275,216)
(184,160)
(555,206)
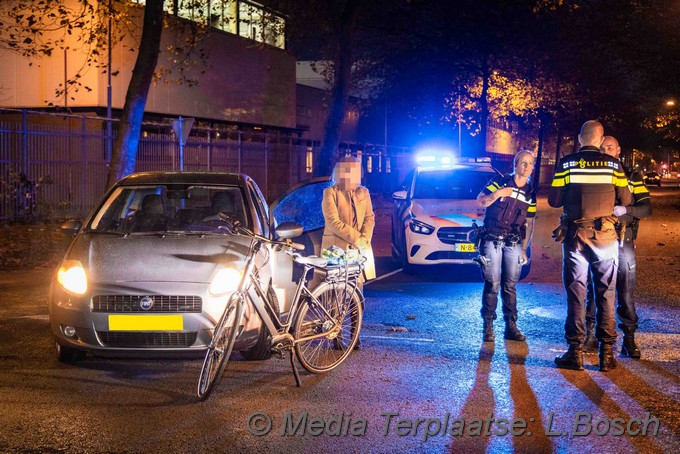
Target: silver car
(150,270)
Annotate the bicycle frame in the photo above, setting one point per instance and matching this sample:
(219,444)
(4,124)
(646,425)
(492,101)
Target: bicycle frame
(326,323)
(275,325)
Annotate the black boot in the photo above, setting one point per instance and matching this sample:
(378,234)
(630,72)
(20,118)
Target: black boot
(607,361)
(487,331)
(590,344)
(572,359)
(629,347)
(511,331)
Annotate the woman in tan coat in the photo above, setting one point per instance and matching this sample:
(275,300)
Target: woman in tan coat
(348,212)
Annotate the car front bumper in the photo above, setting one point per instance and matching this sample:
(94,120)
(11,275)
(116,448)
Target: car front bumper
(126,330)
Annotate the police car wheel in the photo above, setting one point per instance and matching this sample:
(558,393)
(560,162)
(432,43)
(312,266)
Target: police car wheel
(406,267)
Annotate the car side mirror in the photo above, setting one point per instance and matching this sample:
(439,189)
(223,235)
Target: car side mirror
(287,230)
(71,227)
(399,195)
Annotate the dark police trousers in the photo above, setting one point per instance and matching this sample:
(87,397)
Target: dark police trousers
(596,250)
(501,272)
(625,284)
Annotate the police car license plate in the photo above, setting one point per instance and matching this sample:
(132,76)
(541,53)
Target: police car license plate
(146,323)
(465,247)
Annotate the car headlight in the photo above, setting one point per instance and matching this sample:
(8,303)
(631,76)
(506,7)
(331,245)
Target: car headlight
(72,277)
(226,280)
(420,227)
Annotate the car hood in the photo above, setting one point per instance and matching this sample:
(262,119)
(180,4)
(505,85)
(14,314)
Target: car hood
(449,213)
(156,258)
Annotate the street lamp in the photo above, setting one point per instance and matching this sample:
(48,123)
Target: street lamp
(670,103)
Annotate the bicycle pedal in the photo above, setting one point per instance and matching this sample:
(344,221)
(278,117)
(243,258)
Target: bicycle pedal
(278,350)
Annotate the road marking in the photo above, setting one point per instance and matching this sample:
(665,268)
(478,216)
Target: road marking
(382,277)
(401,339)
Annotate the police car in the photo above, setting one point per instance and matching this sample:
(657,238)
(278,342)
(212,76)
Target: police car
(436,215)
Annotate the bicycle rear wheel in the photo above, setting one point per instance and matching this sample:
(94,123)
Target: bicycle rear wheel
(218,353)
(335,311)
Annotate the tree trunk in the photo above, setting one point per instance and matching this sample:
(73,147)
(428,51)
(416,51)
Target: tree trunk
(340,94)
(542,119)
(558,148)
(124,154)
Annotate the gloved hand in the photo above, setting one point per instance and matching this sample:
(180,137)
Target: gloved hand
(619,210)
(523,259)
(559,234)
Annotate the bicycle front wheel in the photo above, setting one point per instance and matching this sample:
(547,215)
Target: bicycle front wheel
(333,321)
(220,348)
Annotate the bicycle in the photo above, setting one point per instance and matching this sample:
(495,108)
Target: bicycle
(323,324)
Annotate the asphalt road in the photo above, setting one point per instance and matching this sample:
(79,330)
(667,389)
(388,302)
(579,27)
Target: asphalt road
(422,377)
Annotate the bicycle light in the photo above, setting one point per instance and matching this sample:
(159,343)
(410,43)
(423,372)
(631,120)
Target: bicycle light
(72,277)
(226,280)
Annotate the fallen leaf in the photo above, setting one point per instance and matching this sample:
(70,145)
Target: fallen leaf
(397,329)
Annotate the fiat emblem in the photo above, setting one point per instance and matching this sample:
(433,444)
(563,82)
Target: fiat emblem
(146,303)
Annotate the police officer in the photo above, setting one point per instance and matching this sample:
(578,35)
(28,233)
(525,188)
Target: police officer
(510,204)
(586,184)
(629,219)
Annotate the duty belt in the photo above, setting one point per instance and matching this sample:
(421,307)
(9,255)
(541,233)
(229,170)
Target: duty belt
(603,223)
(509,239)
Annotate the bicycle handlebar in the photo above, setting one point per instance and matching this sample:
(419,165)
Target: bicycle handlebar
(236,228)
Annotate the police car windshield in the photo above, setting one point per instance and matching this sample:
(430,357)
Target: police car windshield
(450,184)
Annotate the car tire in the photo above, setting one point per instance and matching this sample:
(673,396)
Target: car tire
(261,350)
(406,267)
(68,355)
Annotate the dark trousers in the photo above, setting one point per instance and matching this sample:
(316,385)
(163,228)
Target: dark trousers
(625,285)
(501,273)
(595,250)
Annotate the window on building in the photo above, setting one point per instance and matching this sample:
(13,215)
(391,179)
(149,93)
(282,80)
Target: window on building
(234,16)
(309,162)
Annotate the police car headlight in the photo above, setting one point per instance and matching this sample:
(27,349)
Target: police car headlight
(420,227)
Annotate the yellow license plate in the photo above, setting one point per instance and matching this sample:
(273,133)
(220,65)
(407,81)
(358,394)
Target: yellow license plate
(146,323)
(465,247)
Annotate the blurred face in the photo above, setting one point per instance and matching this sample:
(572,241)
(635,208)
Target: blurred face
(611,147)
(524,165)
(347,175)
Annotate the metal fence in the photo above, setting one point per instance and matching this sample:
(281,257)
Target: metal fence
(56,165)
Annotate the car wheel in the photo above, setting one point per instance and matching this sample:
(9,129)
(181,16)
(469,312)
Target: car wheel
(68,355)
(393,246)
(406,267)
(261,350)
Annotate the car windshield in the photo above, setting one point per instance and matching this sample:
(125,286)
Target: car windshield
(450,184)
(169,208)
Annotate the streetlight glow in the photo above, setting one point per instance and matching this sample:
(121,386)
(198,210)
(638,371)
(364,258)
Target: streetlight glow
(670,103)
